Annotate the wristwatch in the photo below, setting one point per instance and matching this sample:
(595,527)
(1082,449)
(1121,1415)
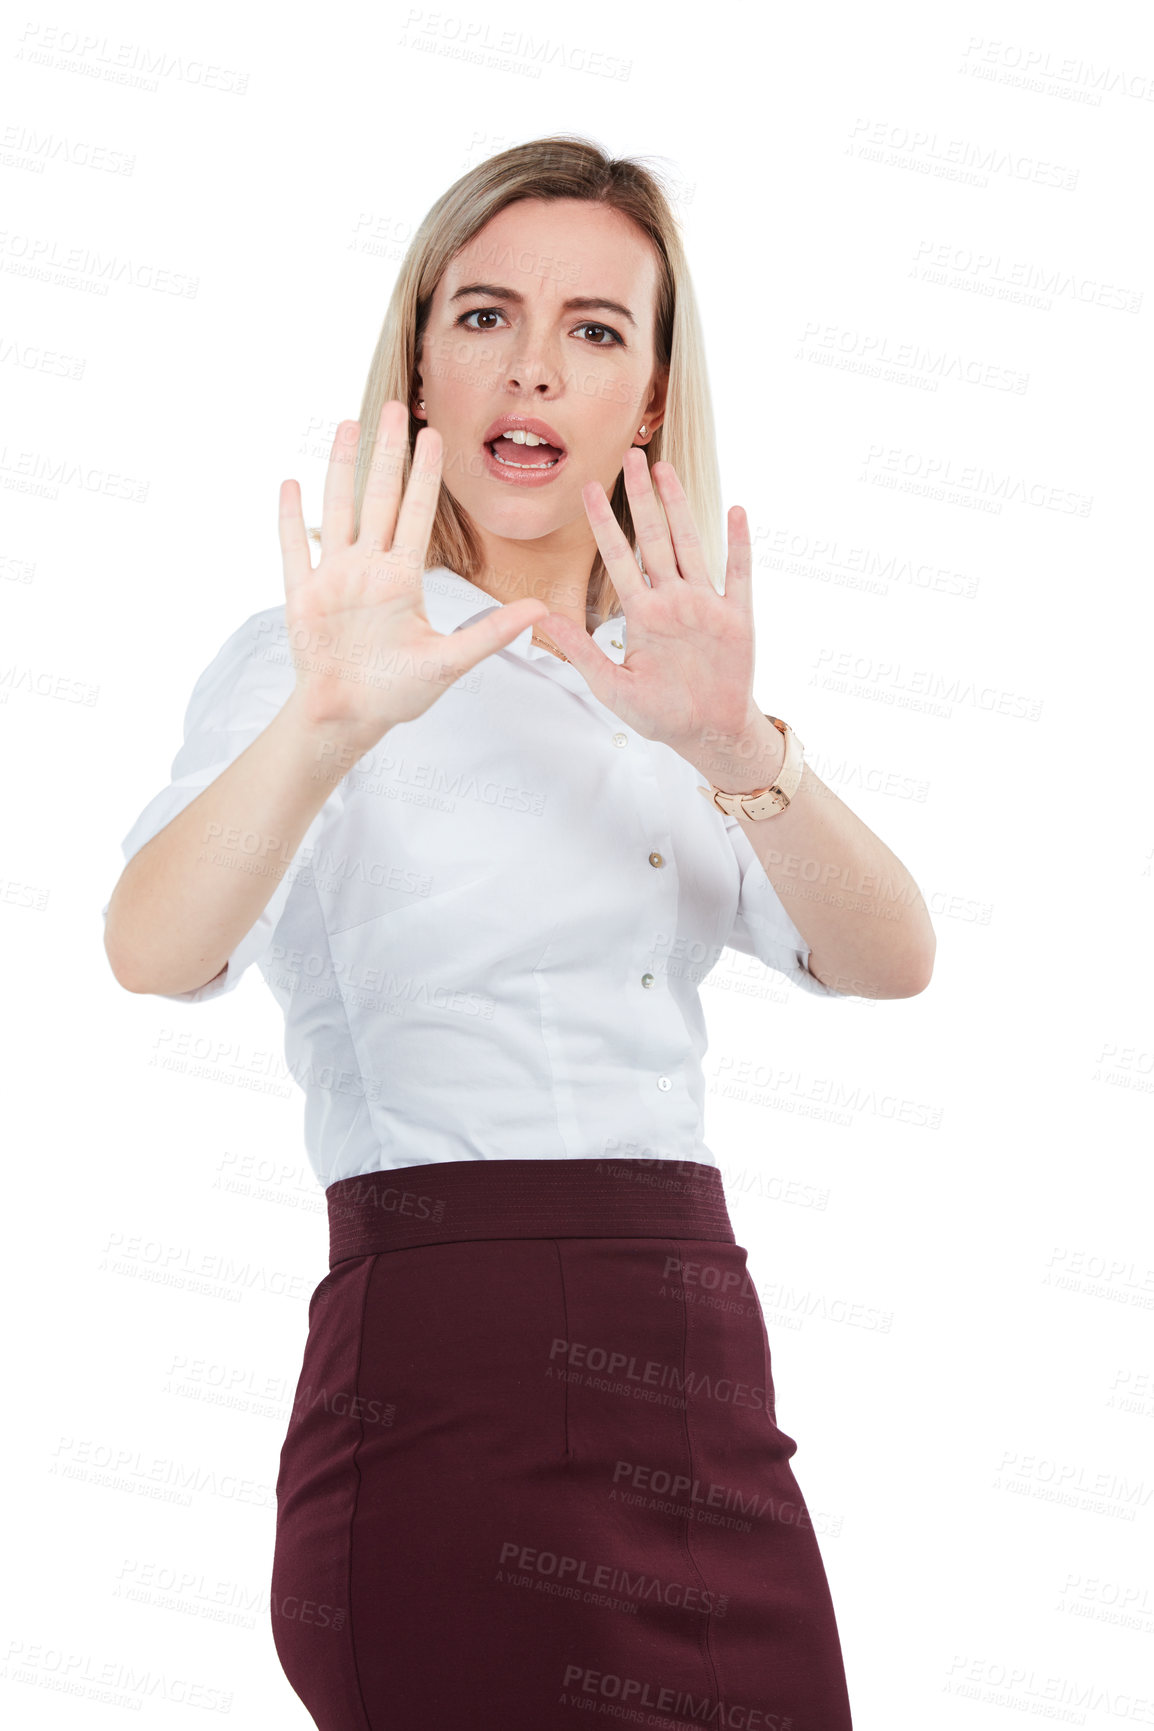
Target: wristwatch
(765,801)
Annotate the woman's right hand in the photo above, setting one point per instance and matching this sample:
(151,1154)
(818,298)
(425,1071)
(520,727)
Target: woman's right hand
(365,653)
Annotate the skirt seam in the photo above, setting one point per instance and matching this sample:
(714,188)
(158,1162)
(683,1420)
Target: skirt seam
(705,1641)
(567,1454)
(372,1268)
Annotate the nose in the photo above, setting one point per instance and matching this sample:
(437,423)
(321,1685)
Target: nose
(536,364)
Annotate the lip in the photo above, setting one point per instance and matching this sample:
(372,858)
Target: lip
(523,477)
(526,424)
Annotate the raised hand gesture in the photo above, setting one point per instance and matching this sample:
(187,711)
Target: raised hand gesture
(687,677)
(365,653)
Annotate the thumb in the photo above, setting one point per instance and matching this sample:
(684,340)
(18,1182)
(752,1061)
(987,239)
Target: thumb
(602,675)
(495,631)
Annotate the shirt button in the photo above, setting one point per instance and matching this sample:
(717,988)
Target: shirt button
(616,644)
(621,739)
(647,979)
(656,859)
(664,1084)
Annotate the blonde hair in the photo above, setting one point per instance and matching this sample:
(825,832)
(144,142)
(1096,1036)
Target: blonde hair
(559,166)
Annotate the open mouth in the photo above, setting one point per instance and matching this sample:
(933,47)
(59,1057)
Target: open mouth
(517,456)
(517,463)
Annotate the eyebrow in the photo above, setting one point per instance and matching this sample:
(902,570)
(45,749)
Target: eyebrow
(578,303)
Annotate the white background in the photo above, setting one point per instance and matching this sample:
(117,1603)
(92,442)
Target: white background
(892,214)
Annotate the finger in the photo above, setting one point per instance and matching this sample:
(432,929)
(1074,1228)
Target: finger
(739,564)
(337,508)
(386,463)
(657,552)
(687,543)
(415,524)
(294,540)
(605,678)
(620,559)
(495,631)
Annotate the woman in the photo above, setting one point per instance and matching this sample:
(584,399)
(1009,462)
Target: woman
(533,1468)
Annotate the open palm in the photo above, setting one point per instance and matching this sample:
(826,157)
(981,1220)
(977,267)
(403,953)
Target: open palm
(365,653)
(689,661)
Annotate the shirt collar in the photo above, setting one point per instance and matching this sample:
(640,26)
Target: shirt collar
(452,601)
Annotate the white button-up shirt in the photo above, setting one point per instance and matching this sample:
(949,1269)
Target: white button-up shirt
(489,943)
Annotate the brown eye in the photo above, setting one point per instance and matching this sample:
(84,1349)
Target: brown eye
(477,312)
(592,327)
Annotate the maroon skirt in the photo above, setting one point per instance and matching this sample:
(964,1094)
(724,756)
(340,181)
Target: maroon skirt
(533,1471)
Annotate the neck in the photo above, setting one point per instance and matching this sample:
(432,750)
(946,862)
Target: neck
(514,570)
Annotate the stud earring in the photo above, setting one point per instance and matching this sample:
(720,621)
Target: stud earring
(641,432)
(421,404)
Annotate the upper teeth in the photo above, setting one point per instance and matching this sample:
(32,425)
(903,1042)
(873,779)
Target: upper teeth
(520,437)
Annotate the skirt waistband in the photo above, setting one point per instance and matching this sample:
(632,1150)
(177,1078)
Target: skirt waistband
(447,1200)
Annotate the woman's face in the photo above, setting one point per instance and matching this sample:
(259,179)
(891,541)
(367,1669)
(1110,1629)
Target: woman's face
(547,314)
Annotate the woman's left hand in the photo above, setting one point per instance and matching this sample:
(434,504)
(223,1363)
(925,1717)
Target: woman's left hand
(687,677)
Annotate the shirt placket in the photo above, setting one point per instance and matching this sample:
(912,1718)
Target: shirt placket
(669,1113)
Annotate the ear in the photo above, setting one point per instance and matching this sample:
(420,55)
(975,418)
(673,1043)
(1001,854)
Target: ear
(655,407)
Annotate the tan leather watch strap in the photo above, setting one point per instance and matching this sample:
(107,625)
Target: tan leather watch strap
(765,801)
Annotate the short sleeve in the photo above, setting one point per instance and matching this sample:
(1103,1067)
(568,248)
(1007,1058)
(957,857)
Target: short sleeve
(761,926)
(242,689)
